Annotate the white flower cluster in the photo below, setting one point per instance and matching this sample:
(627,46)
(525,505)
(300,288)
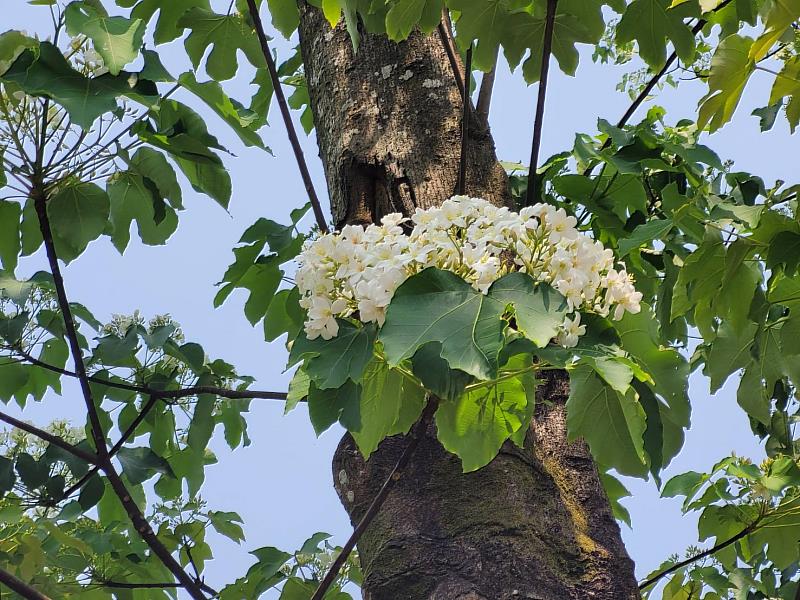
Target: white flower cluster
(358,269)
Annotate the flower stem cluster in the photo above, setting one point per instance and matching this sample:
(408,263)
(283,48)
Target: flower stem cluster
(355,272)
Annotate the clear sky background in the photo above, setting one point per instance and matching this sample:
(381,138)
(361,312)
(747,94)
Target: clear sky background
(281,484)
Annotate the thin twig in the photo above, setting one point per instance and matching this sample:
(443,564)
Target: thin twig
(654,80)
(131,508)
(461,186)
(397,473)
(126,435)
(692,559)
(20,587)
(287,118)
(50,438)
(547,48)
(164,394)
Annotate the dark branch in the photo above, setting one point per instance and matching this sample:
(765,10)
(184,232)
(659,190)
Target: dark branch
(126,435)
(131,508)
(446,35)
(654,80)
(692,559)
(461,186)
(397,472)
(124,585)
(50,438)
(20,587)
(287,118)
(547,48)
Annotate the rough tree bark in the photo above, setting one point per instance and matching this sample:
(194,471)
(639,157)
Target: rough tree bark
(535,523)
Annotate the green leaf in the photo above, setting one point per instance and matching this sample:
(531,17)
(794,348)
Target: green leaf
(78,214)
(168,27)
(665,398)
(10,239)
(12,44)
(7,475)
(182,133)
(651,23)
(644,234)
(539,309)
(140,464)
(202,426)
(787,84)
(325,407)
(728,353)
(47,73)
(285,16)
(475,425)
(780,18)
(330,363)
(784,250)
(226,35)
(297,589)
(153,166)
(33,473)
(227,524)
(436,375)
(386,396)
(611,423)
(731,67)
(438,306)
(298,389)
(116,39)
(243,121)
(615,492)
(284,315)
(91,492)
(134,198)
(402,17)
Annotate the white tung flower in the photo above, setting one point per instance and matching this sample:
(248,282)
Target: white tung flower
(359,269)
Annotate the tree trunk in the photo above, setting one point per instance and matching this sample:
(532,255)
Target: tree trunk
(535,523)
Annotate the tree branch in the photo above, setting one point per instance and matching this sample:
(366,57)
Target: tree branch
(446,35)
(657,77)
(639,100)
(131,508)
(287,117)
(397,473)
(461,186)
(692,559)
(547,47)
(20,587)
(164,394)
(50,438)
(485,93)
(126,435)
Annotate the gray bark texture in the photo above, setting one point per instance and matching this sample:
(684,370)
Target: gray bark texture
(535,523)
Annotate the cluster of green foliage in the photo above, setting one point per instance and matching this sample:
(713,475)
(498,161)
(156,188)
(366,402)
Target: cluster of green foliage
(715,253)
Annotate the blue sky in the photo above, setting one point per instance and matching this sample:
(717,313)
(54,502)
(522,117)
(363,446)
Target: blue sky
(281,485)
